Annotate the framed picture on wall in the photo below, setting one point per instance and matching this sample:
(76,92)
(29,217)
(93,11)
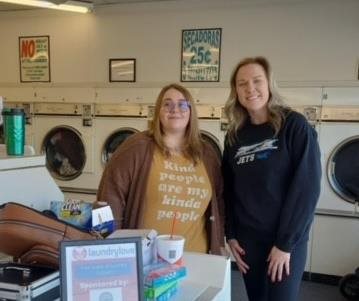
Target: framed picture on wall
(122,70)
(201,54)
(34,56)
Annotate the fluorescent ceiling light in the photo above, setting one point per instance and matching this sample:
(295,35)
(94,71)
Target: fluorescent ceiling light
(73,6)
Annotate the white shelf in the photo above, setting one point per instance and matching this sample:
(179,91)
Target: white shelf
(12,162)
(216,286)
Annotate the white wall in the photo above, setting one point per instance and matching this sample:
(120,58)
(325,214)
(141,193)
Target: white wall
(306,41)
(311,44)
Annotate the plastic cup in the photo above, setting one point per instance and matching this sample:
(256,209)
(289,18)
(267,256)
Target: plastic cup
(169,249)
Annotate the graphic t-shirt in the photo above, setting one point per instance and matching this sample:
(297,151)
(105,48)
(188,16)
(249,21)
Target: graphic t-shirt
(178,188)
(272,182)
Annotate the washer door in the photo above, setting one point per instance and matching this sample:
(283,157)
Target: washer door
(114,141)
(65,152)
(213,141)
(343,169)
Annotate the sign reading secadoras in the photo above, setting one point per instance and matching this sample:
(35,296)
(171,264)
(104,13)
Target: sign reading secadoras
(201,53)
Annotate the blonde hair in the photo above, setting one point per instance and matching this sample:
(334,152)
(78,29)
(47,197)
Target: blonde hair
(237,114)
(193,147)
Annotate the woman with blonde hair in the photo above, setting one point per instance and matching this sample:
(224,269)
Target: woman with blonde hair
(168,172)
(271,170)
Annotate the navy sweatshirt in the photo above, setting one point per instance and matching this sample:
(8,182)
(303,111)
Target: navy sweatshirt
(272,183)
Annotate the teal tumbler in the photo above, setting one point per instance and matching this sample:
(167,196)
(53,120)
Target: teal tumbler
(14,130)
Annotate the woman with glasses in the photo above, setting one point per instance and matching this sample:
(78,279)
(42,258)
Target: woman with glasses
(271,168)
(168,174)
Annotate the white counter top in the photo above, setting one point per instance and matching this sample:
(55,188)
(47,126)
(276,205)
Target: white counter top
(208,278)
(26,180)
(13,162)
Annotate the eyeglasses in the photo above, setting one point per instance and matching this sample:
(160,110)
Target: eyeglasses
(182,105)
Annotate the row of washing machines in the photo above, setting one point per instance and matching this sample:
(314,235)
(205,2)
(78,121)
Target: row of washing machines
(79,139)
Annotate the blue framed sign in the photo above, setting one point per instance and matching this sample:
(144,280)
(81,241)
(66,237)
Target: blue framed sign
(201,54)
(106,269)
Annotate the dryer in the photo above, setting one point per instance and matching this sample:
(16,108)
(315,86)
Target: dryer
(115,123)
(65,133)
(339,141)
(336,224)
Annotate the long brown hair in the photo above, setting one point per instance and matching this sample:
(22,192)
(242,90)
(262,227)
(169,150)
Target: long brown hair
(193,147)
(237,114)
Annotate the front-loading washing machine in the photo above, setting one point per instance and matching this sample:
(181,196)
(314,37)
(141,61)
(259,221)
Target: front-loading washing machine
(339,141)
(115,123)
(28,108)
(336,224)
(65,133)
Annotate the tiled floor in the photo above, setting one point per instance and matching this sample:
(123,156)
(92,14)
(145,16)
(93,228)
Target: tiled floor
(309,291)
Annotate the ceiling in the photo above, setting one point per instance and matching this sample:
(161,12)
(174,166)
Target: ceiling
(13,7)
(97,3)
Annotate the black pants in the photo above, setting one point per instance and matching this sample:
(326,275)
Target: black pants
(258,284)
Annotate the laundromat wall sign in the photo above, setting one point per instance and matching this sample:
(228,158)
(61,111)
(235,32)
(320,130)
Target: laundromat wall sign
(34,54)
(201,53)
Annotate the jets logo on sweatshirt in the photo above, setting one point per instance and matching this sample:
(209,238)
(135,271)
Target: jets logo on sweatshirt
(259,151)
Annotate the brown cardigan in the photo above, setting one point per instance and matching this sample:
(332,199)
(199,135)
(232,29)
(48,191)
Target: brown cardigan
(124,182)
